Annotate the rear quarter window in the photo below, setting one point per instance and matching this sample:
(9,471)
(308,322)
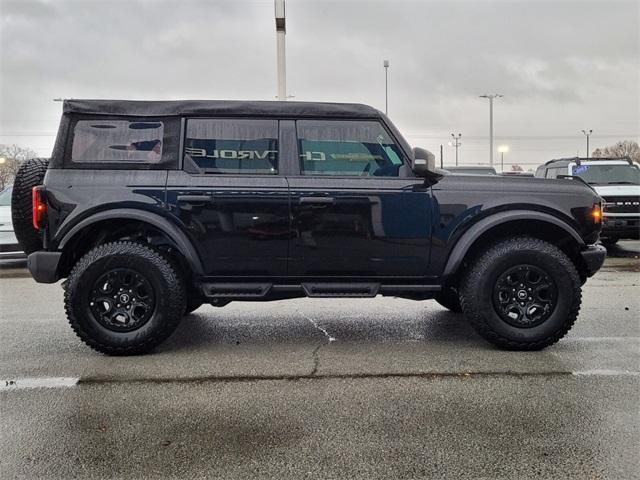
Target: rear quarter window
(124,143)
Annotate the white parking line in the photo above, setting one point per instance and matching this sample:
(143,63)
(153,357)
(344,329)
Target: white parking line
(604,339)
(43,382)
(606,373)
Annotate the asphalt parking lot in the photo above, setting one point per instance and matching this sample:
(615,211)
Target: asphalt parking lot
(313,388)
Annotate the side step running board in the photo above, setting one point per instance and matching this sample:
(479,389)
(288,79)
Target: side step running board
(236,290)
(341,289)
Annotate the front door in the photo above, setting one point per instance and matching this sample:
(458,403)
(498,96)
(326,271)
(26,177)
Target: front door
(231,198)
(356,209)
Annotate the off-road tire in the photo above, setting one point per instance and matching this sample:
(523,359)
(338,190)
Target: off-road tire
(477,293)
(165,280)
(30,174)
(449,299)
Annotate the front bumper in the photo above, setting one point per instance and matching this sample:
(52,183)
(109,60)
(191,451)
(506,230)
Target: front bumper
(621,227)
(593,257)
(43,266)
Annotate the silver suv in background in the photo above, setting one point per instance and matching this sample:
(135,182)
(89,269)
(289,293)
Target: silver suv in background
(616,180)
(9,248)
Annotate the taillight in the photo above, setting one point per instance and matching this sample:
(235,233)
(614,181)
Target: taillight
(38,205)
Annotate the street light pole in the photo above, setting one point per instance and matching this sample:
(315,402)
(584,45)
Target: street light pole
(281,31)
(456,143)
(385,63)
(587,134)
(491,97)
(502,149)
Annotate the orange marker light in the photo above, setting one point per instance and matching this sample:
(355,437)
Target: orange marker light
(597,213)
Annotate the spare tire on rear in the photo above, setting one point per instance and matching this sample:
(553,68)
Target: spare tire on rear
(30,174)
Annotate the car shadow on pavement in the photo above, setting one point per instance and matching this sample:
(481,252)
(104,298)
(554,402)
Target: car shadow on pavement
(204,328)
(624,249)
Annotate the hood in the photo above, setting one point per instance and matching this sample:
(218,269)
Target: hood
(498,183)
(617,190)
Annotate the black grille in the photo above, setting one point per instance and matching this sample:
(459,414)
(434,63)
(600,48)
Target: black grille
(628,204)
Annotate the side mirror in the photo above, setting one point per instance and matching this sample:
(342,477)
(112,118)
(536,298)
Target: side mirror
(423,163)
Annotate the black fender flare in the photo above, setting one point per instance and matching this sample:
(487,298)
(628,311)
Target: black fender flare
(465,242)
(171,230)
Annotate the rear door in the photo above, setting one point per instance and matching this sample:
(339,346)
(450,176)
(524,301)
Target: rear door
(357,211)
(231,197)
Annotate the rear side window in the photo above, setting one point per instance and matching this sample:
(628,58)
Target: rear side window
(232,146)
(117,141)
(333,147)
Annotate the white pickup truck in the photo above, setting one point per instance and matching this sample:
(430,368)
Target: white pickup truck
(616,180)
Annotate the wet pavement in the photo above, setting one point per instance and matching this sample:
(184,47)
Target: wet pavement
(323,388)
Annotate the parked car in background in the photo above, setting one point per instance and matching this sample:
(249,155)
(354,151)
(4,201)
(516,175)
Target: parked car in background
(472,170)
(617,181)
(9,247)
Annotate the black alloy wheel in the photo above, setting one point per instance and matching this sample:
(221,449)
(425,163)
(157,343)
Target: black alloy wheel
(122,300)
(525,296)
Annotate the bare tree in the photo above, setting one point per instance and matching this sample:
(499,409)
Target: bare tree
(626,148)
(11,156)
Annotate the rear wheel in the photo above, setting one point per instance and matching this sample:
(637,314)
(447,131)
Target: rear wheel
(124,298)
(30,174)
(522,294)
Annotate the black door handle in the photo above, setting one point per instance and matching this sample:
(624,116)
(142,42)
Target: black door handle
(195,198)
(318,200)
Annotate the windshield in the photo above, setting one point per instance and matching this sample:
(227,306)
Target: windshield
(5,197)
(604,174)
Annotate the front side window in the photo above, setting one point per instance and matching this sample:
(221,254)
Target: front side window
(333,147)
(232,146)
(117,141)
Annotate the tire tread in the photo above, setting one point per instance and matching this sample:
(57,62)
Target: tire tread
(481,265)
(168,271)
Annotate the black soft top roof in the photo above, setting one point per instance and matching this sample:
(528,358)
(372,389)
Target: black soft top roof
(219,108)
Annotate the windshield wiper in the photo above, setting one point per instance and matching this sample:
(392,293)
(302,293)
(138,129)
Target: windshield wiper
(623,183)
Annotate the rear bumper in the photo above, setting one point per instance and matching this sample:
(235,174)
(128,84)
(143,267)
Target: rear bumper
(43,266)
(593,257)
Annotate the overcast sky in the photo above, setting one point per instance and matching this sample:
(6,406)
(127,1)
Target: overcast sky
(562,66)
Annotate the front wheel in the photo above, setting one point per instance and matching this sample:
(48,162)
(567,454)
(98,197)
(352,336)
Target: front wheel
(124,298)
(522,294)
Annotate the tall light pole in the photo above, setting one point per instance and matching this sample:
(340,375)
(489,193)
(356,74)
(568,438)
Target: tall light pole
(491,97)
(456,143)
(281,31)
(587,133)
(502,149)
(385,63)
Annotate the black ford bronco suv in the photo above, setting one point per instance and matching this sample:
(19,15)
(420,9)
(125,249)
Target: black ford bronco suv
(150,209)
